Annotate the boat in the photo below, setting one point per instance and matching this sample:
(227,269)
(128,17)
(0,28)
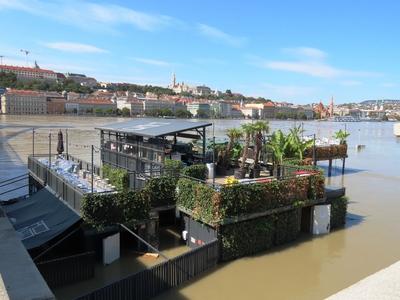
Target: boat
(396,129)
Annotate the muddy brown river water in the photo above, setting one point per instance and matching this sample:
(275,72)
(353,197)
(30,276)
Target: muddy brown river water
(307,269)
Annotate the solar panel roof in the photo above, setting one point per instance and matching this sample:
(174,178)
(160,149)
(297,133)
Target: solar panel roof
(154,127)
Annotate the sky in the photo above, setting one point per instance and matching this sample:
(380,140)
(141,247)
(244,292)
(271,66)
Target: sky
(296,51)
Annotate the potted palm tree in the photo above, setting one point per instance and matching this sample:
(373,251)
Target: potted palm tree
(248,131)
(234,135)
(278,145)
(342,136)
(260,128)
(298,145)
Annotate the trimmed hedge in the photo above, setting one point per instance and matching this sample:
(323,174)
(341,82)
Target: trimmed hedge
(101,210)
(338,212)
(173,167)
(118,177)
(287,226)
(240,199)
(160,191)
(246,238)
(252,236)
(202,200)
(196,171)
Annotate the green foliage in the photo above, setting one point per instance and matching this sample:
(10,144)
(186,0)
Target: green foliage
(278,145)
(341,136)
(141,89)
(242,199)
(255,235)
(126,112)
(202,200)
(183,114)
(173,167)
(8,80)
(101,210)
(246,238)
(287,226)
(118,177)
(338,211)
(160,191)
(203,114)
(196,171)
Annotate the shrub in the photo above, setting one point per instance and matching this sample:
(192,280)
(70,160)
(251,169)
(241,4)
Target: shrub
(160,191)
(196,171)
(246,238)
(287,226)
(338,211)
(173,167)
(118,177)
(134,207)
(101,210)
(201,199)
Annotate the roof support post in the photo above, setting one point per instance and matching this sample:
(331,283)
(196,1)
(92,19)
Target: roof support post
(204,144)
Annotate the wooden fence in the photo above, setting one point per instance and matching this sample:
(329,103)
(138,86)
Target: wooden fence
(157,279)
(65,270)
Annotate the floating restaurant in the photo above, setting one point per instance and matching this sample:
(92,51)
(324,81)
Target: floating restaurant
(220,201)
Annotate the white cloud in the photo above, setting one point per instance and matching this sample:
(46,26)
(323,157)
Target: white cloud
(89,15)
(219,35)
(311,62)
(153,62)
(306,52)
(74,47)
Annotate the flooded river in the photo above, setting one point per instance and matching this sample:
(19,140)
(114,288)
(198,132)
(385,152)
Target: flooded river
(307,269)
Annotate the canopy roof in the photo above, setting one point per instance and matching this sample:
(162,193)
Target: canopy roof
(40,218)
(154,127)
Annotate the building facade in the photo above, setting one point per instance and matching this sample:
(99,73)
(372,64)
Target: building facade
(25,73)
(21,102)
(195,107)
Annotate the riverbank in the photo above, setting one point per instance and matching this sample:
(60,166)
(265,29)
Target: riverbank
(313,269)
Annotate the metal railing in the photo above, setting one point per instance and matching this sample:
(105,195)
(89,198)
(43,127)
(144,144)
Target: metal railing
(66,270)
(153,281)
(62,188)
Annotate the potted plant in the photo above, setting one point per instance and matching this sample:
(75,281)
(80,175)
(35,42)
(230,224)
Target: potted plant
(248,131)
(260,127)
(278,145)
(234,135)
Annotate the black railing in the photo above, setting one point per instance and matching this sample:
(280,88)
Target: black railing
(62,188)
(157,279)
(66,270)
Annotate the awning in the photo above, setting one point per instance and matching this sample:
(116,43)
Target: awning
(154,127)
(40,218)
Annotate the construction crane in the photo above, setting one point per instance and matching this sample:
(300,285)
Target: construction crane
(26,52)
(1,59)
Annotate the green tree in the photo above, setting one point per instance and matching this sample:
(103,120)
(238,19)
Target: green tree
(248,131)
(259,128)
(202,114)
(126,112)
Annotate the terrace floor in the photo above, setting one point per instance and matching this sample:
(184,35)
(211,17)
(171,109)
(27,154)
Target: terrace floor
(129,263)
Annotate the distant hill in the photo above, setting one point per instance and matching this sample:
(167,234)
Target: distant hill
(385,101)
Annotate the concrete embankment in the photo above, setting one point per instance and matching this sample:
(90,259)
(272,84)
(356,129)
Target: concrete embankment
(383,284)
(19,277)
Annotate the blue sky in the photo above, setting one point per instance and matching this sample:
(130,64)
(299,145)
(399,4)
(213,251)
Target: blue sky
(299,51)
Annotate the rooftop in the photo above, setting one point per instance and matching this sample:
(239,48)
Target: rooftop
(27,69)
(154,127)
